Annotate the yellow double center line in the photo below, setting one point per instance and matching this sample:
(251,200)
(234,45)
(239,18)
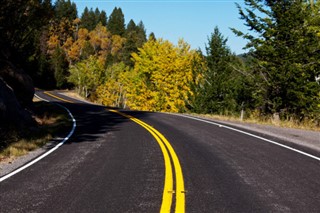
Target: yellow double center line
(56,97)
(167,151)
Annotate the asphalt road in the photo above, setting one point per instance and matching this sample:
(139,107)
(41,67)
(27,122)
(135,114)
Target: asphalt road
(113,164)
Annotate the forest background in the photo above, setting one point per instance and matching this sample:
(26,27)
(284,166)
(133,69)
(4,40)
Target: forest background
(115,63)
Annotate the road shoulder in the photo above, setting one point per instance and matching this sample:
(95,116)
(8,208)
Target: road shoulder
(304,138)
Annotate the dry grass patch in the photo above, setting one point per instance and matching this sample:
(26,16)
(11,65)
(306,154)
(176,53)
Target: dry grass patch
(74,94)
(305,125)
(51,119)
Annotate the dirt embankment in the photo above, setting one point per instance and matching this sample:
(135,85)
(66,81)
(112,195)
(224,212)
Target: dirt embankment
(16,93)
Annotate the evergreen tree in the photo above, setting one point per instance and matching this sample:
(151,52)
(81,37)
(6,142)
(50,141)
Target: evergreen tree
(131,27)
(65,9)
(19,24)
(219,91)
(116,22)
(287,56)
(103,18)
(90,19)
(130,45)
(152,36)
(97,15)
(135,38)
(141,32)
(22,24)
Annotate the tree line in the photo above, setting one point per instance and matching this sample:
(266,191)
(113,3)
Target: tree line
(117,64)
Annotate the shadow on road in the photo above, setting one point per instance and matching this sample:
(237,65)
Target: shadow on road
(93,121)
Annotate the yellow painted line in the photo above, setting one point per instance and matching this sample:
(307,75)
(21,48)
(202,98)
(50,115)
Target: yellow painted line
(165,146)
(56,97)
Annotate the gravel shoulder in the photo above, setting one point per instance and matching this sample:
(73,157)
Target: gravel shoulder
(10,165)
(305,138)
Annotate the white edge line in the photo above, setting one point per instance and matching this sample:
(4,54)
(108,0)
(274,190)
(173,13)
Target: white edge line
(252,135)
(48,152)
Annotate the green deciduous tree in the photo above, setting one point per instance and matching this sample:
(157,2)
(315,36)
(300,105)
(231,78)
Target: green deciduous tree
(112,91)
(87,75)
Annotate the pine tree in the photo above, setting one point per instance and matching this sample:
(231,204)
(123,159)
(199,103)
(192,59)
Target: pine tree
(97,15)
(131,27)
(135,38)
(287,56)
(141,32)
(103,18)
(65,9)
(22,26)
(88,19)
(218,93)
(116,22)
(100,17)
(152,36)
(130,45)
(84,18)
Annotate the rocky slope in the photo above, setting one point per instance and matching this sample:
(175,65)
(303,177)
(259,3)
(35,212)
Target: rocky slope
(16,93)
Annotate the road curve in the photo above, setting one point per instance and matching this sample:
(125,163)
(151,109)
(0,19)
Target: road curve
(112,164)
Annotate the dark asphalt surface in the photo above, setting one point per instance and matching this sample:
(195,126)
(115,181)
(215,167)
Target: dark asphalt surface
(112,164)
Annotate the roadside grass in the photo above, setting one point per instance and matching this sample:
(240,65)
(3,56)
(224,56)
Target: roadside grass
(305,125)
(51,119)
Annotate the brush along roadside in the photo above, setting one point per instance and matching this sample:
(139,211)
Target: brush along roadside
(51,120)
(293,124)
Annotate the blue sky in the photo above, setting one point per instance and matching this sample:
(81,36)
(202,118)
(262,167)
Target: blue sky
(191,20)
